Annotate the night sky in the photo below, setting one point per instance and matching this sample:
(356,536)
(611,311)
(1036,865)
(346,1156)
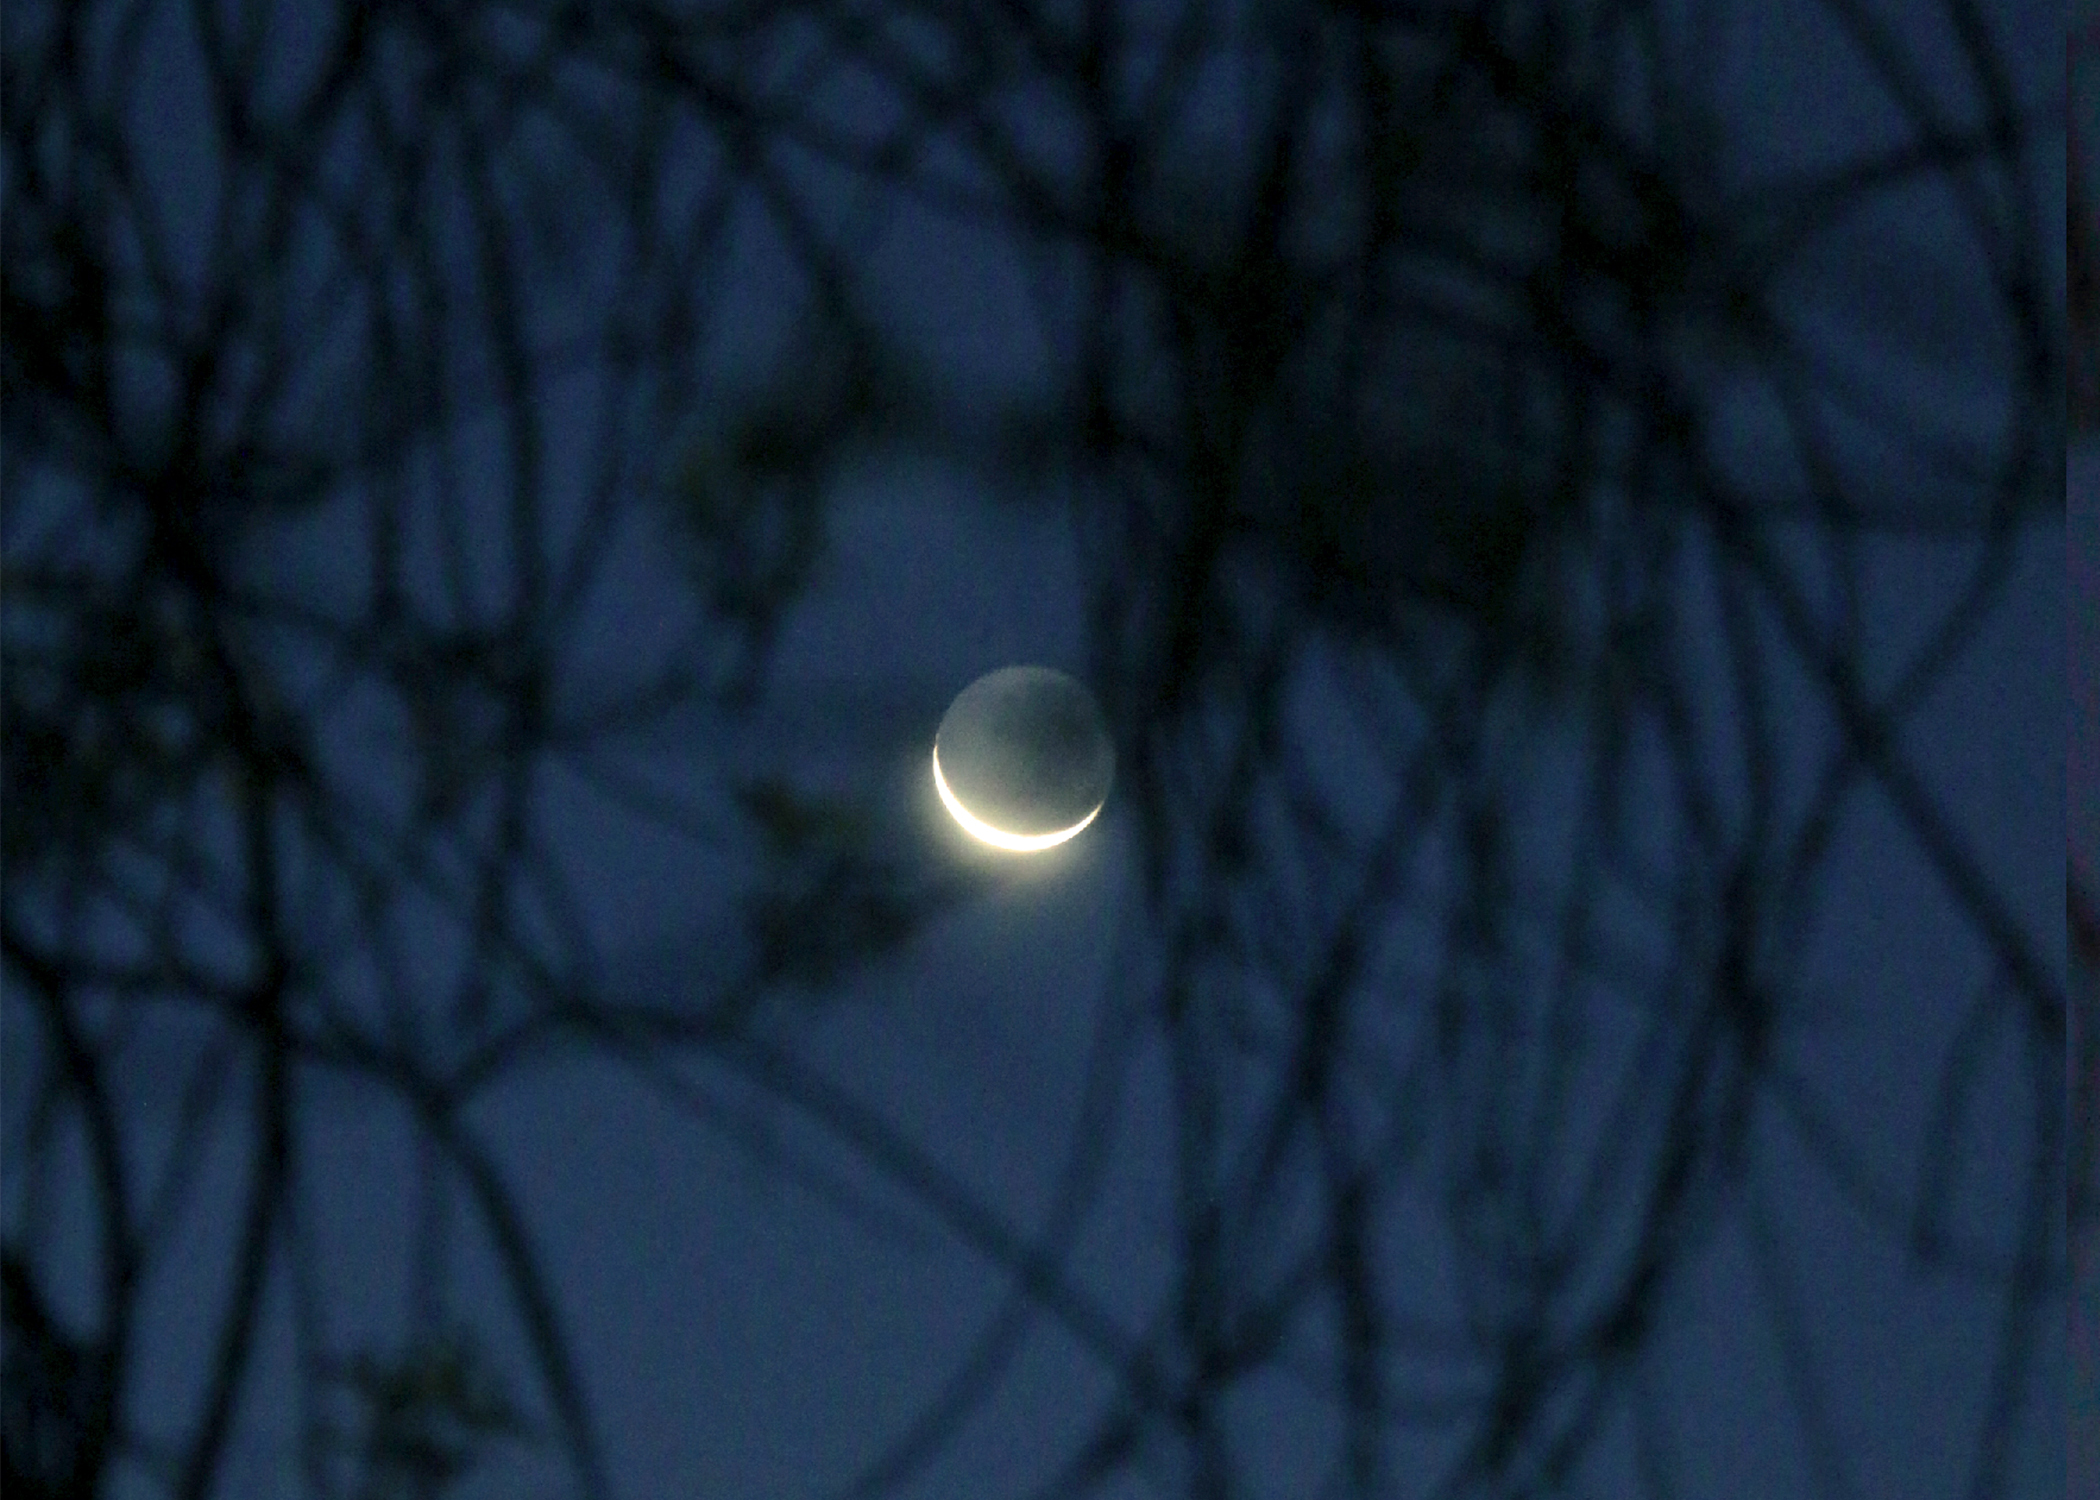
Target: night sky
(756,1311)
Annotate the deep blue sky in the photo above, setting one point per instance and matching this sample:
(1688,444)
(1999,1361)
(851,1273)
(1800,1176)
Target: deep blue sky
(2083,787)
(742,1336)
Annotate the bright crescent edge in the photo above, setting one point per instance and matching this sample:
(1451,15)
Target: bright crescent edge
(1018,843)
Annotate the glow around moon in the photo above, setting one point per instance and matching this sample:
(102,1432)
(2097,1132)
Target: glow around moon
(1022,760)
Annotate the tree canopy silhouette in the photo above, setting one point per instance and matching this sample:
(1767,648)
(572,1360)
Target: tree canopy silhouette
(351,357)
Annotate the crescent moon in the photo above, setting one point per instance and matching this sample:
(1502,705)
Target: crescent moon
(976,827)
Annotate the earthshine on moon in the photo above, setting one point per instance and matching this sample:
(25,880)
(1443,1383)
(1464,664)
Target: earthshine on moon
(1022,760)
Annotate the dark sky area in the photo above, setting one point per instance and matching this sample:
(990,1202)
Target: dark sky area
(768,1260)
(2083,786)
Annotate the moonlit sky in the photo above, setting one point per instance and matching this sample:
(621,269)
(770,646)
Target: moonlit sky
(744,1336)
(2083,786)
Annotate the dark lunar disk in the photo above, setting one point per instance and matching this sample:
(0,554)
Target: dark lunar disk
(1025,749)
